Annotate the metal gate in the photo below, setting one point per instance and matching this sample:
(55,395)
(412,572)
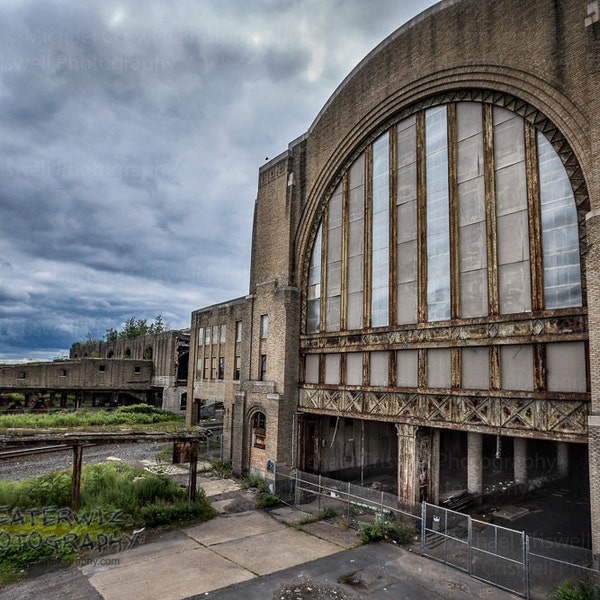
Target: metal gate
(498,556)
(445,536)
(488,552)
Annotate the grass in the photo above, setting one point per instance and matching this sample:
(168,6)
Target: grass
(264,497)
(115,499)
(387,531)
(131,416)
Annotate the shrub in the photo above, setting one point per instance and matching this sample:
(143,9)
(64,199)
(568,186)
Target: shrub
(267,500)
(579,591)
(163,513)
(385,530)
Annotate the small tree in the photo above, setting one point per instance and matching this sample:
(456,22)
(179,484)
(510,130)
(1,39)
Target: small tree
(133,327)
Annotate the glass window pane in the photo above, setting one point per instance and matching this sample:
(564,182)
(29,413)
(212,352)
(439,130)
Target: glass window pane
(437,217)
(560,232)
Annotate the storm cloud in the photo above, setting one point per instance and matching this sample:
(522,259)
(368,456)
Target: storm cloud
(130,138)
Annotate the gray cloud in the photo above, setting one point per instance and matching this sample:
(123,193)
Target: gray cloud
(130,139)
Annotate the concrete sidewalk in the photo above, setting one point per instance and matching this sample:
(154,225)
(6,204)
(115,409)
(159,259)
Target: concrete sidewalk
(251,554)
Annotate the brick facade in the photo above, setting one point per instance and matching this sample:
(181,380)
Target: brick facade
(536,59)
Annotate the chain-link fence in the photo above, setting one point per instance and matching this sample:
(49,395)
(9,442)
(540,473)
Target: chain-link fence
(506,558)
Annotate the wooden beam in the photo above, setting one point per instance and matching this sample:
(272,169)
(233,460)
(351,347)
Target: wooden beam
(76,478)
(193,471)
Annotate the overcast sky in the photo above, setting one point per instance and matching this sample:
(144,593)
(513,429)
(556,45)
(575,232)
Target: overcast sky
(131,134)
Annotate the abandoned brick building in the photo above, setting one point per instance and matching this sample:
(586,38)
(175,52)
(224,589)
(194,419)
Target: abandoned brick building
(424,302)
(166,351)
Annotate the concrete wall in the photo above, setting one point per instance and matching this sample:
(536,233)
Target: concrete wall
(82,374)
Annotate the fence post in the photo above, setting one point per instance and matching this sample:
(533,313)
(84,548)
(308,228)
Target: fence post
(423,517)
(348,504)
(470,544)
(296,489)
(319,494)
(526,567)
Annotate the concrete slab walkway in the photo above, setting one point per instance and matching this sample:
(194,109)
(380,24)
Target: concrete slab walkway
(248,555)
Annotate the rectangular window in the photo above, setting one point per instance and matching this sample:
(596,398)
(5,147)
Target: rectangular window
(207,336)
(101,369)
(406,219)
(356,244)
(215,335)
(137,370)
(378,368)
(63,373)
(21,375)
(311,368)
(199,368)
(264,326)
(213,374)
(238,331)
(334,262)
(263,367)
(223,333)
(200,336)
(354,368)
(237,369)
(222,367)
(407,368)
(380,232)
(206,368)
(332,369)
(313,318)
(437,214)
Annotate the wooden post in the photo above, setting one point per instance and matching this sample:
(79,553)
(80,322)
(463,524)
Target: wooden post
(193,469)
(76,481)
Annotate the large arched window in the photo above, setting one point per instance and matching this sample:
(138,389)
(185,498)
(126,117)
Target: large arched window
(459,211)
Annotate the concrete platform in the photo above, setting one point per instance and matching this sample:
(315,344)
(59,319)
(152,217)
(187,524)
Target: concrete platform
(250,555)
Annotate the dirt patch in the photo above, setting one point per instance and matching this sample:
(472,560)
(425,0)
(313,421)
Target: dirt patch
(309,590)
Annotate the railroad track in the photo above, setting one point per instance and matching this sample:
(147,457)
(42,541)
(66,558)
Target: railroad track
(17,452)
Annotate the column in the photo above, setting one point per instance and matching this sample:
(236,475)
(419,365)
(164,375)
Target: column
(407,435)
(562,459)
(239,453)
(435,467)
(520,462)
(475,463)
(592,262)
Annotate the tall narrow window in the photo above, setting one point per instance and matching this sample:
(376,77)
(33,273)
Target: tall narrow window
(213,374)
(237,368)
(207,336)
(221,367)
(314,287)
(200,336)
(334,262)
(238,331)
(406,219)
(560,233)
(356,243)
(380,233)
(223,333)
(215,335)
(259,430)
(437,217)
(264,326)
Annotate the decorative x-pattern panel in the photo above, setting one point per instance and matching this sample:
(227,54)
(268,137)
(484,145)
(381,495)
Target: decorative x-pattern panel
(560,417)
